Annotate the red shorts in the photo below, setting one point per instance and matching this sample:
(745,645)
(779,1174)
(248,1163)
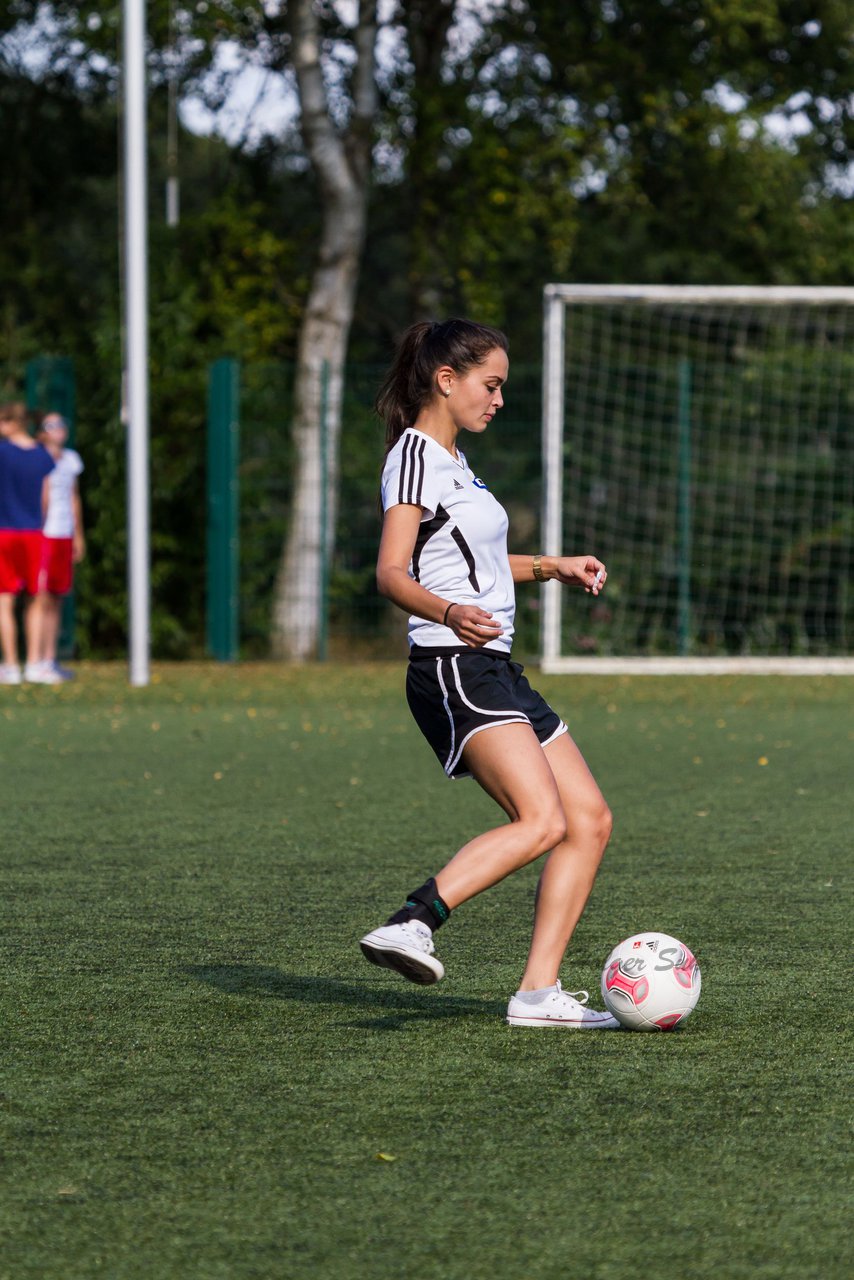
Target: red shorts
(20,560)
(57,566)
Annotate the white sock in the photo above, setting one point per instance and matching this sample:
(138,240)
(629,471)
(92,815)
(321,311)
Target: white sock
(535,997)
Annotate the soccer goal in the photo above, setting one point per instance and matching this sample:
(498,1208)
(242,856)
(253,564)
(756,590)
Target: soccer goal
(701,442)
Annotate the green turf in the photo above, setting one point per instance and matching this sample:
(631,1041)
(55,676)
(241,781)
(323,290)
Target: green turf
(203,1079)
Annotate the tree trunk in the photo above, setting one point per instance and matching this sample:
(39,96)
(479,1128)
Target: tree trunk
(342,163)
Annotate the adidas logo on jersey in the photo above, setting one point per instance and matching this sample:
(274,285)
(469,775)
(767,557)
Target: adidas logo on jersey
(457,485)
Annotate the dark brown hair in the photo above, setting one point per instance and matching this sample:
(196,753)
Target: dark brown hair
(15,412)
(424,348)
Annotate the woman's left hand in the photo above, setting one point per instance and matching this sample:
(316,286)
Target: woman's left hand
(581,571)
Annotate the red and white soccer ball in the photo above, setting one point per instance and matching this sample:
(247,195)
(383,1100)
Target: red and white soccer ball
(651,982)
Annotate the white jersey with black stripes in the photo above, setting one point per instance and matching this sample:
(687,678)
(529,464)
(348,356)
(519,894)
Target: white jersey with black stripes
(461,550)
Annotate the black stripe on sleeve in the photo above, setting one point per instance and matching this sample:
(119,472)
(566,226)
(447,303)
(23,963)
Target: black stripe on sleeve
(401,486)
(416,472)
(411,483)
(411,469)
(420,489)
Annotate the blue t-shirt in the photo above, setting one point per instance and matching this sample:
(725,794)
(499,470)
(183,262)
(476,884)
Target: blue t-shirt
(22,473)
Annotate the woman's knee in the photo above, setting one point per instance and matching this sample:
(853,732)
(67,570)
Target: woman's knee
(589,827)
(547,830)
(595,826)
(605,822)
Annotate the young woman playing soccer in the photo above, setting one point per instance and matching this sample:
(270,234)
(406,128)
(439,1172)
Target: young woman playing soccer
(443,559)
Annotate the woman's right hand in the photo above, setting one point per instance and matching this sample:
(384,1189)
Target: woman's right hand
(473,625)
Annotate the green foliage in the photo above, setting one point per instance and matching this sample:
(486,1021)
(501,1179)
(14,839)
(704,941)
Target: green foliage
(266,452)
(229,278)
(626,141)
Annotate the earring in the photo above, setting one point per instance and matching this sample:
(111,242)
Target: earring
(446,392)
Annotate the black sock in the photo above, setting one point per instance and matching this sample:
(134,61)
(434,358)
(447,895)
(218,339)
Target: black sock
(423,904)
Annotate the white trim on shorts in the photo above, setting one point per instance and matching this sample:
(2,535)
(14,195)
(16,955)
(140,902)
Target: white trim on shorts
(511,715)
(562,728)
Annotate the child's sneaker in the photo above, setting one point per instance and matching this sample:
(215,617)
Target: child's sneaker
(406,948)
(41,673)
(558,1008)
(10,673)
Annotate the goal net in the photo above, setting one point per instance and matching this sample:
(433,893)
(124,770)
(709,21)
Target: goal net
(700,441)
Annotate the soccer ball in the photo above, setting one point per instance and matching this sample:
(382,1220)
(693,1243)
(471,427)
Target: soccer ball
(651,982)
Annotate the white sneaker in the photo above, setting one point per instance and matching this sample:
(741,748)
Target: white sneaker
(41,673)
(10,673)
(406,948)
(559,1009)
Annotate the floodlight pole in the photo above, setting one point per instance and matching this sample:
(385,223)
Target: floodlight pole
(136,330)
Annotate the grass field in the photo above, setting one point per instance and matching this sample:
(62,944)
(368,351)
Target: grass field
(204,1079)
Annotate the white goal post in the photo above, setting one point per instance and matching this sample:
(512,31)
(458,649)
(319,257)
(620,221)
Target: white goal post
(704,438)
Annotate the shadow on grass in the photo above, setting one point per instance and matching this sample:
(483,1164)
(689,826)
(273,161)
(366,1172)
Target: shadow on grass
(397,1007)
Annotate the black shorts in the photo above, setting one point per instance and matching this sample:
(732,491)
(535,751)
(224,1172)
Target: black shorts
(454,694)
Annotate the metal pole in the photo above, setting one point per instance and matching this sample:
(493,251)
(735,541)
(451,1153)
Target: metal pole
(552,448)
(685,513)
(136,329)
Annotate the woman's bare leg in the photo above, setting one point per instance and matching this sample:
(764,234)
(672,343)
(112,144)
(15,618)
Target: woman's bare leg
(571,867)
(554,804)
(511,766)
(51,614)
(8,629)
(33,620)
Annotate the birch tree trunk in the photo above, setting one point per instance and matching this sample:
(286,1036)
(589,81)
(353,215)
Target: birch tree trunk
(341,159)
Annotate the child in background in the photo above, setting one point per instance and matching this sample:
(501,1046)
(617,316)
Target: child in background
(64,545)
(24,468)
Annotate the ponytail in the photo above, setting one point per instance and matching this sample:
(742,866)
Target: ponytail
(425,347)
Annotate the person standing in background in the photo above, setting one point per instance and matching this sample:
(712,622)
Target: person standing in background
(64,544)
(24,468)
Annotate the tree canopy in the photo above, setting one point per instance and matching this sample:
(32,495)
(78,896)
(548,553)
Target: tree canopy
(514,142)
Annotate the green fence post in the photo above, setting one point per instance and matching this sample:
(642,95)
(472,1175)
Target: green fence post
(223,510)
(323,625)
(50,387)
(684,511)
